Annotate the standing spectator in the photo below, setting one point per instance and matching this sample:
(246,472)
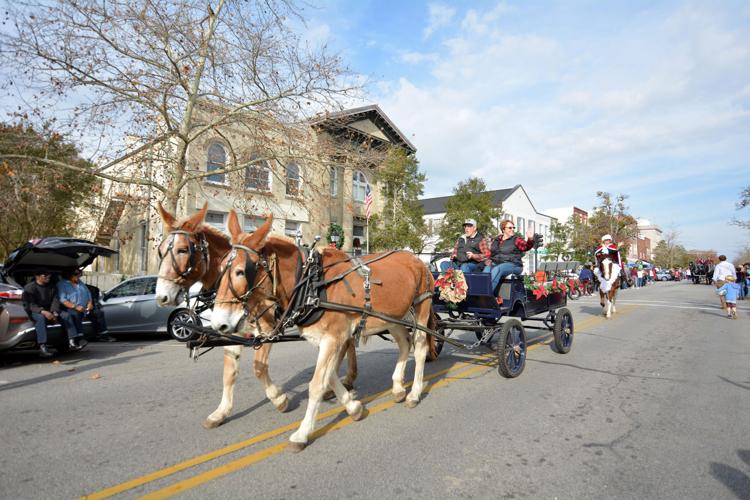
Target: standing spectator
(75,300)
(639,276)
(688,274)
(634,277)
(723,269)
(585,277)
(729,291)
(43,307)
(742,282)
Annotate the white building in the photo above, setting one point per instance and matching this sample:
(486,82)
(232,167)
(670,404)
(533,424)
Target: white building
(651,231)
(517,206)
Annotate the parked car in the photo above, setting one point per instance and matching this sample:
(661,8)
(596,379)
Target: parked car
(54,254)
(664,276)
(130,307)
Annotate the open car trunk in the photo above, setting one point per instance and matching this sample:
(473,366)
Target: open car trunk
(54,254)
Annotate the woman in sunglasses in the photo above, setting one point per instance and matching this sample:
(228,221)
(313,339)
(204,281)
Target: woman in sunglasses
(507,251)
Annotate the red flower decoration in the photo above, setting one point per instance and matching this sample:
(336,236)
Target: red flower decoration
(540,292)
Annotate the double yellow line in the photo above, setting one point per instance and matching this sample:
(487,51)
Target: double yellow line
(470,368)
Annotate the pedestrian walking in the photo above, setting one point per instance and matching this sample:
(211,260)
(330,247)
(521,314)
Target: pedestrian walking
(723,270)
(729,291)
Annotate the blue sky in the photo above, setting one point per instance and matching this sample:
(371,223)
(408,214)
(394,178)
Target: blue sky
(567,98)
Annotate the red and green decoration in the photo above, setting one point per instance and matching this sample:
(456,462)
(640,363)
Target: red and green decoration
(452,286)
(336,235)
(543,288)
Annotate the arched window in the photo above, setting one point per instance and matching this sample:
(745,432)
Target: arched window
(258,175)
(359,186)
(293,180)
(217,160)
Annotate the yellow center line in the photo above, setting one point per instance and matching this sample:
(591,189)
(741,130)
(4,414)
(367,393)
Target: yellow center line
(479,363)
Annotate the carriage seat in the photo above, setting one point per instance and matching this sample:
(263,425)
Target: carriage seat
(506,285)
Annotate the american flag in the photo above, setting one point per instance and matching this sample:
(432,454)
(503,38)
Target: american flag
(368,201)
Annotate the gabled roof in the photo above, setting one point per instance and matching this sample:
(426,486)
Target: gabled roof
(355,119)
(437,205)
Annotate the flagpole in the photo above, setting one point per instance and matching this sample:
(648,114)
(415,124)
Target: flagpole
(367,236)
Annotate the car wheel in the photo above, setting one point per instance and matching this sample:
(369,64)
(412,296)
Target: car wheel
(179,332)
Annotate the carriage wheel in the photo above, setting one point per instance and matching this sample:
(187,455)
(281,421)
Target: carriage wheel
(511,349)
(563,331)
(438,345)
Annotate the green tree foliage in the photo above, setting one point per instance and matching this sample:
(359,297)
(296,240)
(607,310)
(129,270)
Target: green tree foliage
(668,253)
(470,201)
(401,224)
(581,236)
(39,200)
(559,239)
(611,217)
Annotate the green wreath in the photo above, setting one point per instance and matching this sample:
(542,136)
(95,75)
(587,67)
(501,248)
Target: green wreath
(336,230)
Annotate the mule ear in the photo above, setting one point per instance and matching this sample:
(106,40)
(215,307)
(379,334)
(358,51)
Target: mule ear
(197,218)
(233,225)
(166,217)
(257,239)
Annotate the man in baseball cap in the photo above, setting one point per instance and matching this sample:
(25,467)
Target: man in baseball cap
(470,250)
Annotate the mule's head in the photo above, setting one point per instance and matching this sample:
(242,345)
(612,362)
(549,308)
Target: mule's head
(183,254)
(241,274)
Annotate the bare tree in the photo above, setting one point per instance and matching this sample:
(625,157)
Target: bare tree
(141,82)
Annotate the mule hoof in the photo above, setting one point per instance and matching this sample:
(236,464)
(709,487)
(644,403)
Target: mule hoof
(358,413)
(211,424)
(399,397)
(410,403)
(283,406)
(296,447)
(329,395)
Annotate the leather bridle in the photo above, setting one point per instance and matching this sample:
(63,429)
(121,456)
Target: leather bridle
(193,248)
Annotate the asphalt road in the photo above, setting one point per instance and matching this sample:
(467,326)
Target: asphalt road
(654,403)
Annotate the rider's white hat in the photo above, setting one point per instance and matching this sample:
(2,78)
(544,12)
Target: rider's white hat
(607,237)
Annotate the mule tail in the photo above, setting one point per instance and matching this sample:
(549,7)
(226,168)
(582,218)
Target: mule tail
(431,340)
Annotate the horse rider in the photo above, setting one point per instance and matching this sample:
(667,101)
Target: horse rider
(607,249)
(470,250)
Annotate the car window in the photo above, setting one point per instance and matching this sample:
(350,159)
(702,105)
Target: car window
(149,286)
(129,288)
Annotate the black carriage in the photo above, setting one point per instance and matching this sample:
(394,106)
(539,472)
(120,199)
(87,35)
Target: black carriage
(505,315)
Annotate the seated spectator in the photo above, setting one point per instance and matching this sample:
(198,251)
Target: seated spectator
(96,316)
(470,250)
(42,305)
(506,252)
(75,300)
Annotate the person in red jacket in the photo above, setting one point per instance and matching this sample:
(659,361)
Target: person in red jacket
(607,249)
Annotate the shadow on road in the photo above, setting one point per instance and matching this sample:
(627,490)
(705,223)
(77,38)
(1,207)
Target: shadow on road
(68,370)
(737,481)
(607,372)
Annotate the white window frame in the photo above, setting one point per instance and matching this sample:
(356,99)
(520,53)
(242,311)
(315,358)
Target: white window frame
(221,226)
(298,192)
(359,186)
(520,225)
(334,181)
(260,166)
(210,166)
(291,227)
(251,223)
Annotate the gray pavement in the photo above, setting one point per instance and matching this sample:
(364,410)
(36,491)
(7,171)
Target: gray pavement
(653,403)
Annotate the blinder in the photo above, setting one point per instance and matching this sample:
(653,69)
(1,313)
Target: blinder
(202,246)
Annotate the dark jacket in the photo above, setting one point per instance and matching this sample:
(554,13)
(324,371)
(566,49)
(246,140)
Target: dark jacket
(510,250)
(37,298)
(476,244)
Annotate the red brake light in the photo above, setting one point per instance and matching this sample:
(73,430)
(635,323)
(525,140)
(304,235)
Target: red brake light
(11,294)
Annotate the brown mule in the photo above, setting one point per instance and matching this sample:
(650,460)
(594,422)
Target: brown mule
(176,275)
(261,270)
